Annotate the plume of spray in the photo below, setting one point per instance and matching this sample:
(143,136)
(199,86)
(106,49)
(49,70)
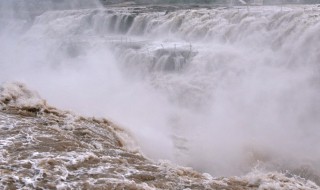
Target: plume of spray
(249,95)
(77,72)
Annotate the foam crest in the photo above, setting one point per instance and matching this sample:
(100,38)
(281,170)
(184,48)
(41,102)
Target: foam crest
(237,87)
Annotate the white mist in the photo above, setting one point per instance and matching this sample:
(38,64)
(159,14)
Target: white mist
(247,95)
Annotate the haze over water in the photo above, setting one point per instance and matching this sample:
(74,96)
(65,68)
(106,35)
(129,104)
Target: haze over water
(223,90)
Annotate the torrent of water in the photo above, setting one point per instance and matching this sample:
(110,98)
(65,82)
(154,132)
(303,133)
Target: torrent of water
(221,90)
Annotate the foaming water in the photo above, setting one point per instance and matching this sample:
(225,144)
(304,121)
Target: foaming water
(221,90)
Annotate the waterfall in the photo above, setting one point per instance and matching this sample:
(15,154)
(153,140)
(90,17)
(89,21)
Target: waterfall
(219,89)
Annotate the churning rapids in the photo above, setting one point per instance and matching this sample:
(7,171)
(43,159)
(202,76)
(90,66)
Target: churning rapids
(226,91)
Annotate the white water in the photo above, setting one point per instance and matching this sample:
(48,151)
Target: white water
(220,90)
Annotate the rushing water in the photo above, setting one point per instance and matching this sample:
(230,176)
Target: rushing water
(221,90)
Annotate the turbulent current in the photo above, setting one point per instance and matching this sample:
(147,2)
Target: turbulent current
(225,90)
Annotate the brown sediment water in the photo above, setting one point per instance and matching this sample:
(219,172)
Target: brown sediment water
(46,148)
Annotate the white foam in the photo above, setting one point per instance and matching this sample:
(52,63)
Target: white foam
(248,95)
